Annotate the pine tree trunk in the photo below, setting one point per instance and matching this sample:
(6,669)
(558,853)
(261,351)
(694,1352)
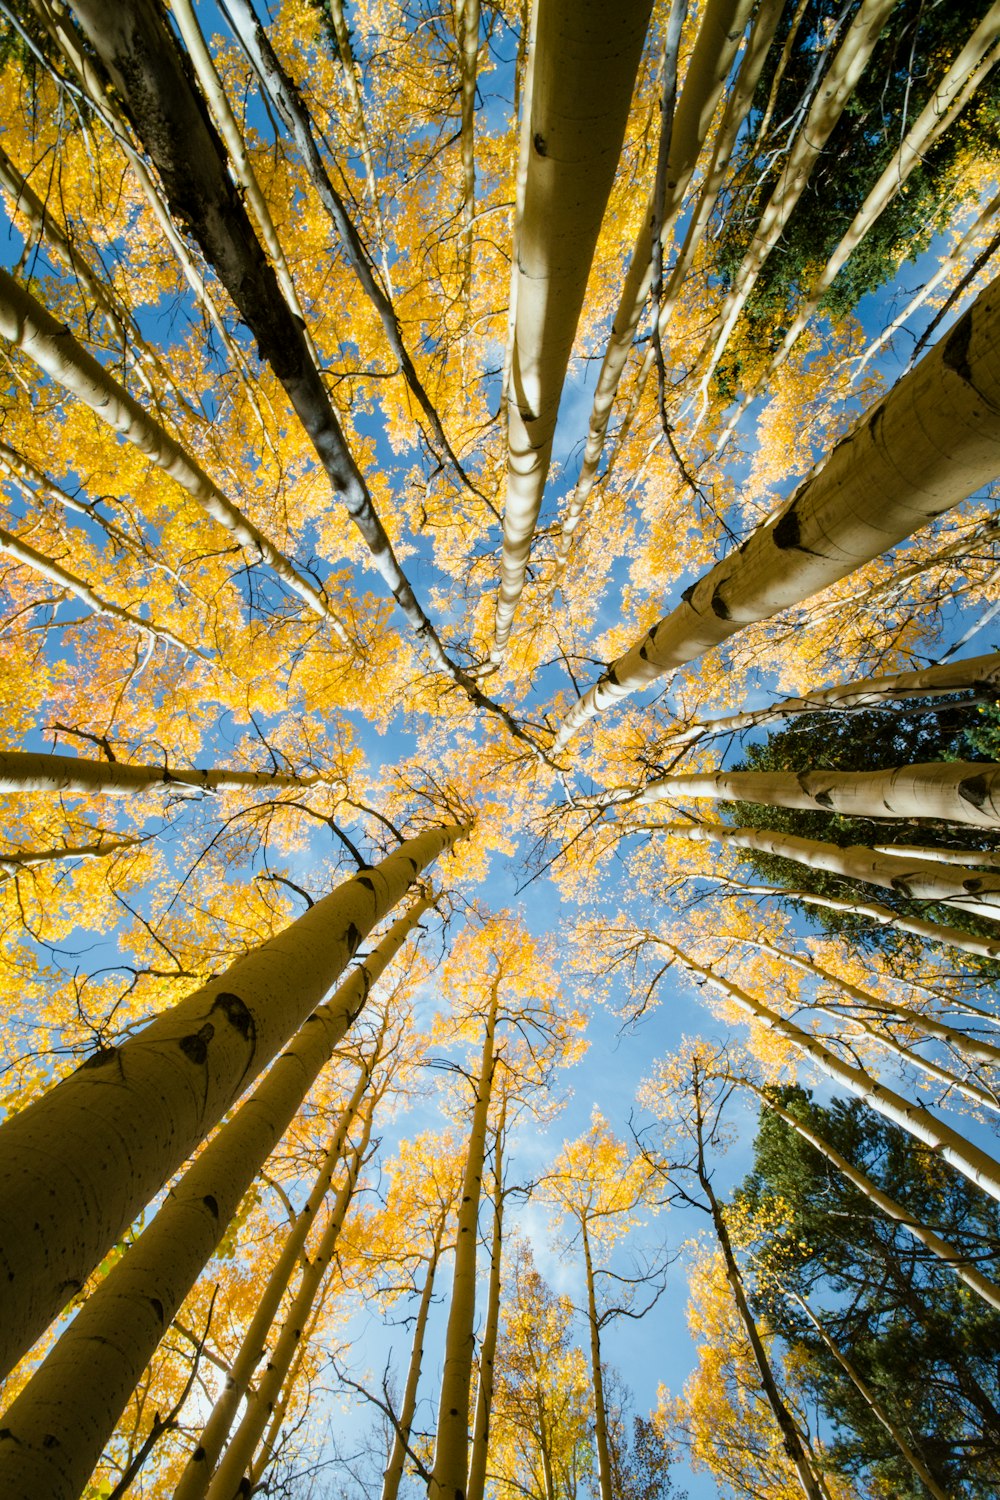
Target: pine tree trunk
(450,1476)
(59,1424)
(932,441)
(572,156)
(957,791)
(77,1166)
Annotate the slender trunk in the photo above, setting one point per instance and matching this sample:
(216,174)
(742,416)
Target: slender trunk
(715,47)
(570,170)
(970,1047)
(838,85)
(956,791)
(449,1479)
(932,441)
(79,1164)
(791,1438)
(917,879)
(80,1391)
(956,88)
(467,18)
(201,1464)
(14,861)
(978,1166)
(973,858)
(40,771)
(393,1475)
(45,228)
(349,70)
(884,1038)
(292,109)
(17,548)
(947,1253)
(487,1349)
(597,1373)
(919,1468)
(227,1482)
(737,107)
(944,269)
(265,1453)
(49,343)
(972,673)
(882,916)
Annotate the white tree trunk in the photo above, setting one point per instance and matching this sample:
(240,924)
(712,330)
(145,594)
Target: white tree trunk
(450,1475)
(715,46)
(931,442)
(978,1166)
(476,1489)
(962,1267)
(571,165)
(26,324)
(69,775)
(79,1164)
(917,879)
(955,791)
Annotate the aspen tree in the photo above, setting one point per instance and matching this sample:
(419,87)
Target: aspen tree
(79,1164)
(719,32)
(972,673)
(60,1422)
(570,169)
(831,99)
(479,1454)
(919,1468)
(881,916)
(968,69)
(737,106)
(951,1257)
(467,22)
(227,1481)
(450,1473)
(393,1474)
(931,442)
(26,324)
(14,861)
(977,1165)
(22,552)
(289,103)
(147,69)
(969,889)
(41,771)
(951,791)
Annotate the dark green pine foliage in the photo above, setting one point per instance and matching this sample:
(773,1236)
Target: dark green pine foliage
(954,729)
(925,1345)
(917,45)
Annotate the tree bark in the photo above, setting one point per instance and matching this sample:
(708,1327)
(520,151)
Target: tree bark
(40,771)
(393,1474)
(955,791)
(932,441)
(79,1164)
(791,1438)
(476,1489)
(571,165)
(57,1427)
(918,879)
(227,1482)
(596,1372)
(450,1476)
(714,49)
